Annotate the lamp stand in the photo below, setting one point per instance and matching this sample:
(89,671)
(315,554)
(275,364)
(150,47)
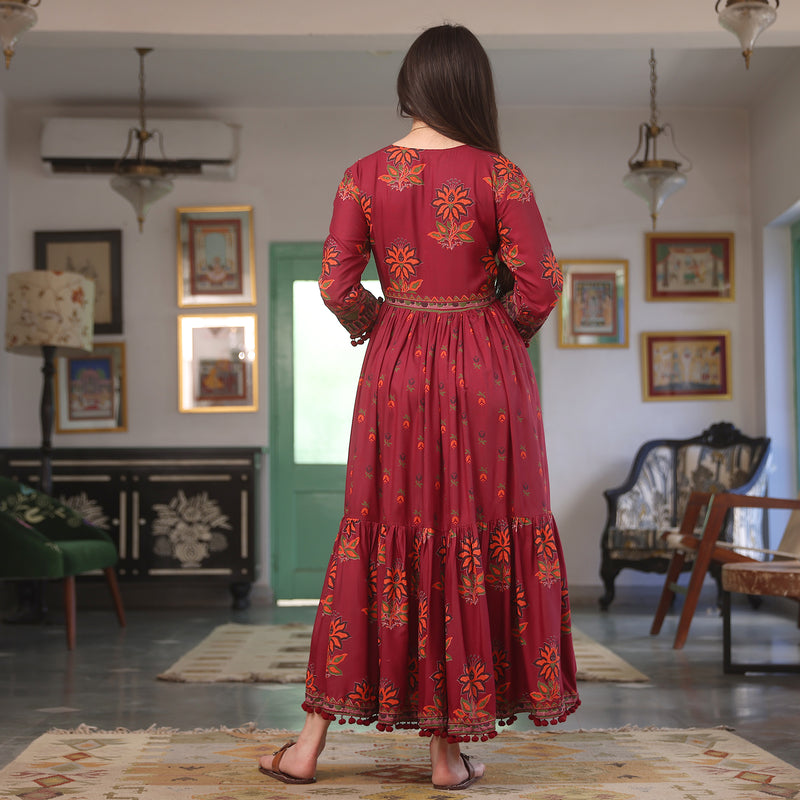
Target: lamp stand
(46,416)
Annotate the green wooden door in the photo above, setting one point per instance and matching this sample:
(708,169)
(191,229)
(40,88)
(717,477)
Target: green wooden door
(313,377)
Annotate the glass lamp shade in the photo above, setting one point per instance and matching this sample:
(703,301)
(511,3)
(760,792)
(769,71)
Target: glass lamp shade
(15,19)
(46,308)
(141,187)
(747,20)
(654,181)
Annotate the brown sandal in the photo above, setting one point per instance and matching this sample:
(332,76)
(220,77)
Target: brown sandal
(467,782)
(276,771)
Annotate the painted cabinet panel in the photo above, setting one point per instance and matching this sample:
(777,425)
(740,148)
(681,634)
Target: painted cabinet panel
(173,513)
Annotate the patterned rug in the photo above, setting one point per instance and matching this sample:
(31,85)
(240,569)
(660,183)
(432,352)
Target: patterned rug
(278,654)
(221,765)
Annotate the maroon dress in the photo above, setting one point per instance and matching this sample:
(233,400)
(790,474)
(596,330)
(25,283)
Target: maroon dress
(445,604)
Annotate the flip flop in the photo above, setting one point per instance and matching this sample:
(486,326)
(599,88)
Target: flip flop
(276,771)
(467,782)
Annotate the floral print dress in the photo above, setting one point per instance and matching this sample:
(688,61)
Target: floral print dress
(444,606)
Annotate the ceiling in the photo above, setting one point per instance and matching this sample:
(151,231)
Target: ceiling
(198,75)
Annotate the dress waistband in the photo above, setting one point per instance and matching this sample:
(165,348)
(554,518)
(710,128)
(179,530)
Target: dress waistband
(441,303)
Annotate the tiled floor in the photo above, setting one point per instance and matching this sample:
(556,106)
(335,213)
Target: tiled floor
(109,680)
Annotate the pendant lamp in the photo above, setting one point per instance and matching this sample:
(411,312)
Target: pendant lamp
(16,17)
(747,19)
(653,178)
(141,181)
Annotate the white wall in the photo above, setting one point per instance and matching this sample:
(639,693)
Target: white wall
(5,384)
(776,192)
(291,162)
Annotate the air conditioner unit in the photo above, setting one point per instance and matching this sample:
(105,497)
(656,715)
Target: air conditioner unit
(201,147)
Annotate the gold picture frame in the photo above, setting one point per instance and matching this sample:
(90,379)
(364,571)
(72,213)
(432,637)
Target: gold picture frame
(218,363)
(91,391)
(593,308)
(216,261)
(686,365)
(690,267)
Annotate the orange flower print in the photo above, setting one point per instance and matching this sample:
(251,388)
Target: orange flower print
(451,201)
(347,188)
(402,156)
(469,556)
(520,601)
(509,252)
(500,664)
(549,661)
(489,263)
(337,634)
(363,695)
(388,695)
(311,681)
(402,261)
(474,678)
(330,259)
(552,272)
(500,544)
(507,180)
(402,168)
(545,539)
(394,608)
(366,207)
(78,297)
(394,584)
(422,625)
(548,572)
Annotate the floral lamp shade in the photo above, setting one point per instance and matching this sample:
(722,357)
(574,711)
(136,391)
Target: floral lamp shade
(48,308)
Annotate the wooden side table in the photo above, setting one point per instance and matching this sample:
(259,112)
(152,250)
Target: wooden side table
(776,578)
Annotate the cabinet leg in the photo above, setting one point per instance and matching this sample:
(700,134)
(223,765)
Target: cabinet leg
(241,595)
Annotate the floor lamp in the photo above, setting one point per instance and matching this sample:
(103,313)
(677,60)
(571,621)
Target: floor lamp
(49,314)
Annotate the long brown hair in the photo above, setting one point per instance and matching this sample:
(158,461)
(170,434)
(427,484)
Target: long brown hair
(446,82)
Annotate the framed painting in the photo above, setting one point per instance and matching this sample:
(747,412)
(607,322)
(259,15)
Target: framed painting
(91,391)
(216,262)
(93,254)
(691,365)
(593,309)
(218,363)
(690,266)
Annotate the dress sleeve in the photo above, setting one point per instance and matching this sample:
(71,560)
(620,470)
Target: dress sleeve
(345,257)
(524,248)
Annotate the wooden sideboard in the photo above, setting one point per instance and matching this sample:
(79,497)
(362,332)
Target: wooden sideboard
(174,513)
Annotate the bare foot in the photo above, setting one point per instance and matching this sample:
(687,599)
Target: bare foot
(447,766)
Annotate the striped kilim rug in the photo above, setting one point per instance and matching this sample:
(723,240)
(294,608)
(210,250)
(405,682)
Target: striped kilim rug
(278,654)
(221,765)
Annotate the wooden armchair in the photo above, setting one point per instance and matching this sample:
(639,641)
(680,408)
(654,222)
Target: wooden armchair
(653,499)
(41,538)
(707,550)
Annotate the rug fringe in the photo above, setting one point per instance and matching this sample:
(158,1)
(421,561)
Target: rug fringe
(250,727)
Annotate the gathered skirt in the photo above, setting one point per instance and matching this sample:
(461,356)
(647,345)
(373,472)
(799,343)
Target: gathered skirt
(445,604)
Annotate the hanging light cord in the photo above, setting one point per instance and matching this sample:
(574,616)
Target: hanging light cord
(653,106)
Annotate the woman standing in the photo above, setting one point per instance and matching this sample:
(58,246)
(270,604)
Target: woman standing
(445,603)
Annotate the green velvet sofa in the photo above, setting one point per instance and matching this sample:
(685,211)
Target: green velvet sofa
(41,538)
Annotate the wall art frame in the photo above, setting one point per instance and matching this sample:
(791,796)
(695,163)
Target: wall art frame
(216,256)
(95,254)
(690,266)
(686,365)
(593,309)
(91,391)
(218,363)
